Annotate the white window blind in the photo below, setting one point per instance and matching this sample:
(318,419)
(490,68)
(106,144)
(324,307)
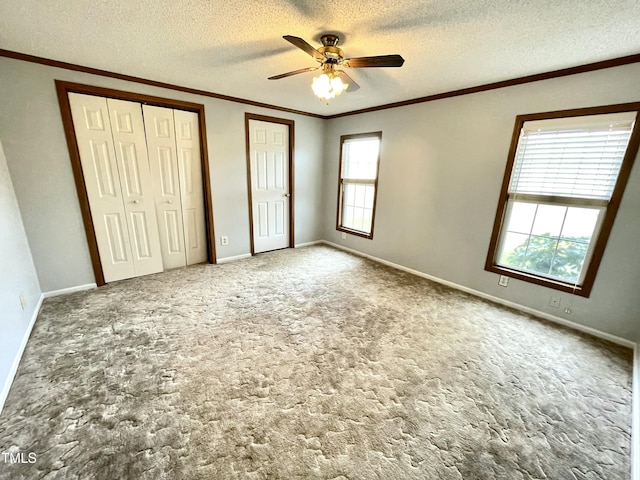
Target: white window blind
(580,160)
(360,158)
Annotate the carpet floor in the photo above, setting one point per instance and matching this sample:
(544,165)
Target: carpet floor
(310,363)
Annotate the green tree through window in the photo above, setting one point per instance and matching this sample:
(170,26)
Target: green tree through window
(561,258)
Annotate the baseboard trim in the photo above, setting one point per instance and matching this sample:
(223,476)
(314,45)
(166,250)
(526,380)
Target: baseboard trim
(66,291)
(635,416)
(308,244)
(552,318)
(16,361)
(234,258)
(247,255)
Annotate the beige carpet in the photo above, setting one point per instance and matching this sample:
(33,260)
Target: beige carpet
(310,363)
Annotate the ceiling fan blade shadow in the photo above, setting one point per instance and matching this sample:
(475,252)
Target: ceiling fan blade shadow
(353,86)
(295,72)
(233,54)
(303,45)
(379,61)
(445,13)
(306,8)
(259,54)
(401,24)
(380,79)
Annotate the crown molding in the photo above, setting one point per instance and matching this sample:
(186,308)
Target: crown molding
(589,67)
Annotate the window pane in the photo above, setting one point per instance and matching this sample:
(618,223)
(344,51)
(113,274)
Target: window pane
(349,193)
(521,219)
(366,227)
(543,253)
(514,248)
(549,219)
(569,260)
(580,224)
(358,218)
(369,196)
(539,254)
(347,217)
(358,206)
(359,196)
(530,253)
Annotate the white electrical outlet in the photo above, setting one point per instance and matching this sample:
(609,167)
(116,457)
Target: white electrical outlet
(504,281)
(224,240)
(554,301)
(344,235)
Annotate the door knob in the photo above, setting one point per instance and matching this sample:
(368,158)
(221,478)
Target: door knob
(169,201)
(136,201)
(287,194)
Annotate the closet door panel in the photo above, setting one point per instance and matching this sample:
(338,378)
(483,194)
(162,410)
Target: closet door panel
(191,185)
(163,165)
(103,185)
(137,191)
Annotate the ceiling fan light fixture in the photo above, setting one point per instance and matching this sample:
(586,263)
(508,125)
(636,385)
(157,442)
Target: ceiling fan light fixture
(333,82)
(328,86)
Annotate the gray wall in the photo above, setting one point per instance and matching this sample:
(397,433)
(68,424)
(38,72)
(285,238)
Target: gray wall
(38,159)
(442,165)
(17,276)
(441,169)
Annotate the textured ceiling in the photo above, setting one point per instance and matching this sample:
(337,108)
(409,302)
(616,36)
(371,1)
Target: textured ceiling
(232,47)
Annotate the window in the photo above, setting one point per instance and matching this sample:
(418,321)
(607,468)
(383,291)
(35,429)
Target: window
(563,183)
(358,183)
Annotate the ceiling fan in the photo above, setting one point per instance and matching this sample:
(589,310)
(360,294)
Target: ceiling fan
(333,81)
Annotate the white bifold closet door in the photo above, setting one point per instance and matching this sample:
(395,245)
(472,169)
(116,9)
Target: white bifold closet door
(174,160)
(113,154)
(143,178)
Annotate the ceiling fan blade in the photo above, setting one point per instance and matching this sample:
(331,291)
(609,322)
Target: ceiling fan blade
(303,45)
(381,61)
(353,86)
(295,72)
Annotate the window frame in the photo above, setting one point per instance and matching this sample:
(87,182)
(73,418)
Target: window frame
(341,196)
(601,235)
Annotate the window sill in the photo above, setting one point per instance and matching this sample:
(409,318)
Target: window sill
(579,290)
(357,233)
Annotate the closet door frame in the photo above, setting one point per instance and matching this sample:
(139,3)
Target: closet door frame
(63,89)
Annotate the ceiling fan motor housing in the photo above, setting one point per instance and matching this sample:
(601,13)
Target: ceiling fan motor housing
(330,40)
(332,54)
(329,50)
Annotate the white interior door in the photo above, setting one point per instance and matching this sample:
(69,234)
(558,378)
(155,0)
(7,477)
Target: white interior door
(161,141)
(102,179)
(191,189)
(137,193)
(269,165)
